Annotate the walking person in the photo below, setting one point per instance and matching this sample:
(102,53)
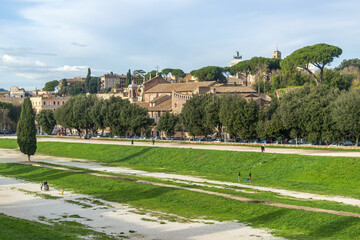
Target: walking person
(132,141)
(239,177)
(262,148)
(250,176)
(153,141)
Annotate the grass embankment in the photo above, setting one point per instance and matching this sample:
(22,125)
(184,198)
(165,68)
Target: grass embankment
(15,228)
(8,143)
(288,223)
(318,174)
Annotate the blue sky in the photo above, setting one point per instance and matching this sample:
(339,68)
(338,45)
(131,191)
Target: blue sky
(43,40)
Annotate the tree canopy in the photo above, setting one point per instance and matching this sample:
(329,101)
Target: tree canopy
(210,73)
(46,120)
(26,129)
(51,86)
(319,55)
(167,123)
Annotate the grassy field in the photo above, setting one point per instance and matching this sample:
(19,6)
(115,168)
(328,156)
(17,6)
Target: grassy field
(8,143)
(14,228)
(318,174)
(294,224)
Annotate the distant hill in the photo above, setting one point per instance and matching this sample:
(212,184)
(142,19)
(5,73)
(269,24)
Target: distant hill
(1,89)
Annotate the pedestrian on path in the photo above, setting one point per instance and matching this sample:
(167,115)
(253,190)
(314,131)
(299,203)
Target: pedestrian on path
(239,177)
(132,141)
(263,148)
(153,141)
(250,176)
(62,191)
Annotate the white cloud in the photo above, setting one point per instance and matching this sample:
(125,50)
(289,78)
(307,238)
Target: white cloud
(67,68)
(12,61)
(32,75)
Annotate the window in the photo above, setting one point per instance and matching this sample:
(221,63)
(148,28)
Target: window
(44,103)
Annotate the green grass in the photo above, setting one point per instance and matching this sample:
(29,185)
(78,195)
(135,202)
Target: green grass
(317,174)
(294,224)
(244,192)
(327,175)
(8,143)
(15,229)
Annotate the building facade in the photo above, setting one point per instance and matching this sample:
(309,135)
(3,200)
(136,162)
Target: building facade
(50,102)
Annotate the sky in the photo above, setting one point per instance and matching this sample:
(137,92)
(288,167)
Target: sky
(44,40)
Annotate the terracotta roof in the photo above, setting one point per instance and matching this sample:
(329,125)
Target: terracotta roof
(179,87)
(163,106)
(234,89)
(163,98)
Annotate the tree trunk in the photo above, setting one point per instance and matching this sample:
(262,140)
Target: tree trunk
(357,141)
(29,158)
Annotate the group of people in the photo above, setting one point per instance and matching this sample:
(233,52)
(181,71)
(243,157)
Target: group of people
(239,175)
(44,186)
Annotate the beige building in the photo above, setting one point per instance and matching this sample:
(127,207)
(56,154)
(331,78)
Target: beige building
(112,80)
(70,81)
(52,103)
(17,92)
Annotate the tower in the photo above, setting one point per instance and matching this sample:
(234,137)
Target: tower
(276,54)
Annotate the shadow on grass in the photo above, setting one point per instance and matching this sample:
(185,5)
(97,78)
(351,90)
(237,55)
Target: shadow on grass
(131,197)
(328,230)
(134,155)
(268,217)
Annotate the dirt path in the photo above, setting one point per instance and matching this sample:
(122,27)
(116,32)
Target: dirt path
(7,155)
(18,199)
(242,199)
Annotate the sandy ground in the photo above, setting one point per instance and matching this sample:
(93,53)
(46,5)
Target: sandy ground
(114,219)
(7,155)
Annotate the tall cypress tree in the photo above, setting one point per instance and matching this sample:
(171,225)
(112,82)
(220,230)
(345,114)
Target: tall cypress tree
(87,81)
(26,130)
(128,78)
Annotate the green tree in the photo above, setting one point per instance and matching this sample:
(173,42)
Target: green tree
(346,113)
(64,115)
(87,81)
(138,119)
(14,115)
(210,73)
(128,78)
(81,108)
(320,55)
(193,116)
(212,117)
(116,116)
(98,114)
(140,73)
(26,129)
(50,86)
(165,72)
(167,123)
(151,75)
(239,116)
(335,79)
(46,120)
(355,62)
(178,73)
(242,67)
